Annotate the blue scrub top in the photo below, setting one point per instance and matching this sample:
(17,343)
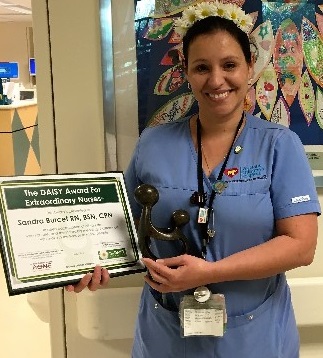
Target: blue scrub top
(268,179)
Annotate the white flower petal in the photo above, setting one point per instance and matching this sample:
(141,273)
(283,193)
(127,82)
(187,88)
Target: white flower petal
(213,8)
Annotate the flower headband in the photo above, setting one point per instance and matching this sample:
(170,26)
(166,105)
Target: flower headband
(205,9)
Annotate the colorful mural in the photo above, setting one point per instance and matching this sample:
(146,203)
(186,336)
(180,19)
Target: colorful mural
(287,42)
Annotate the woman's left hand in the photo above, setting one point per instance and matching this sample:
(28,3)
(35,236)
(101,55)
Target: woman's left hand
(178,273)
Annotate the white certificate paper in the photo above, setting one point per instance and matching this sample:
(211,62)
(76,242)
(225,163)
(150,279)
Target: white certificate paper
(56,228)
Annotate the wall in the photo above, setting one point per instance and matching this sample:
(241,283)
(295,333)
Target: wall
(24,324)
(125,80)
(77,85)
(14,45)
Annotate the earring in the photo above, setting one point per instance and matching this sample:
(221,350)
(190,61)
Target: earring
(189,86)
(250,81)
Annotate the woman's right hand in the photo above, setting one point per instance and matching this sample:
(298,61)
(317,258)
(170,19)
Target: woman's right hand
(92,281)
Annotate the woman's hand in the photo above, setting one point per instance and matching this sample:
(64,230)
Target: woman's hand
(92,281)
(178,273)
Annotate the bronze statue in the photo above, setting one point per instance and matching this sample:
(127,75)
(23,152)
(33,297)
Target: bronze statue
(147,195)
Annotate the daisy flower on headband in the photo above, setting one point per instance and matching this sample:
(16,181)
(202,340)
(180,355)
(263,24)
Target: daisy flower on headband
(233,12)
(215,8)
(221,10)
(190,15)
(245,22)
(205,9)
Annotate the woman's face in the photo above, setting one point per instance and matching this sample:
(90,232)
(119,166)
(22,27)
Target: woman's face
(218,73)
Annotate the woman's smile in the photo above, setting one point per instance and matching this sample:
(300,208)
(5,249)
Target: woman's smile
(219,96)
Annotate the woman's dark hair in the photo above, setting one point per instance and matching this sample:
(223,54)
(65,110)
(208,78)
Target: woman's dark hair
(213,24)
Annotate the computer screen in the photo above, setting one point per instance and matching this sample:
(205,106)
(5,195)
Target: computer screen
(32,67)
(9,70)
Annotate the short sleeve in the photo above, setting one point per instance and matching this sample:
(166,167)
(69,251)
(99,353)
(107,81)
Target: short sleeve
(293,188)
(132,182)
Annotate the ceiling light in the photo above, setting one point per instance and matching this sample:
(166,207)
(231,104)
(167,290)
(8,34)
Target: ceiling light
(17,8)
(21,9)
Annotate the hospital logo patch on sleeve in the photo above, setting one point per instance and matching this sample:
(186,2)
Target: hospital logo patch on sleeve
(300,199)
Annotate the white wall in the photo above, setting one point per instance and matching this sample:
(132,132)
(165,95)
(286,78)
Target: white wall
(77,85)
(24,324)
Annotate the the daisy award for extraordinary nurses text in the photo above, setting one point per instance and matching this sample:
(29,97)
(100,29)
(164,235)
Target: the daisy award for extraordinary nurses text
(56,228)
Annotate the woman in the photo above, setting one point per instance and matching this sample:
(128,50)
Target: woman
(248,181)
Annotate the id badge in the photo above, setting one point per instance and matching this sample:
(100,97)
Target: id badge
(203,314)
(202,216)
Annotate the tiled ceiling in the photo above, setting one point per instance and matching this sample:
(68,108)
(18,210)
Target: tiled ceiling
(15,10)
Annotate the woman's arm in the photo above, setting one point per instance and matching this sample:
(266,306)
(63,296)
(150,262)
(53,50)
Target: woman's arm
(294,246)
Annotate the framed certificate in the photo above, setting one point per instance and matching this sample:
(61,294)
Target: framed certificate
(56,228)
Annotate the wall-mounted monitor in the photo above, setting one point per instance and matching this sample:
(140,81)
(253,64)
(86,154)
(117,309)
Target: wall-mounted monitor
(32,67)
(9,70)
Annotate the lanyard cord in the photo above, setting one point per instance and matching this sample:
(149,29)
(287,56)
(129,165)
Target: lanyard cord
(204,226)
